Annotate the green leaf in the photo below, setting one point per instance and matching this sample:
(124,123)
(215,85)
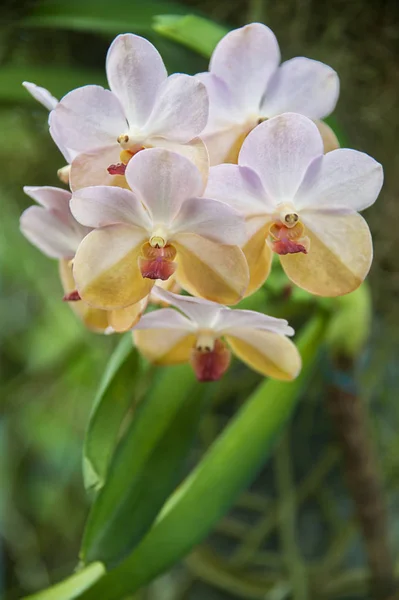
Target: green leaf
(146,467)
(112,401)
(71,588)
(58,81)
(211,488)
(116,16)
(197,33)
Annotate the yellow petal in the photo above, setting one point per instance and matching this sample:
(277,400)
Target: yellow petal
(268,353)
(213,271)
(106,270)
(330,140)
(94,318)
(195,150)
(258,255)
(164,347)
(125,318)
(339,257)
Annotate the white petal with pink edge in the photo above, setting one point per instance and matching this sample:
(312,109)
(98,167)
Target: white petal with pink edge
(99,206)
(341,180)
(164,180)
(180,111)
(280,151)
(304,86)
(245,59)
(135,72)
(41,95)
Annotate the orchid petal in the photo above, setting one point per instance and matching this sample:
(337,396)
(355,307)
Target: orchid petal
(343,179)
(258,254)
(280,151)
(51,226)
(181,109)
(164,180)
(166,318)
(94,318)
(171,347)
(339,257)
(106,269)
(269,353)
(90,168)
(135,72)
(222,110)
(224,145)
(58,139)
(230,320)
(88,117)
(124,319)
(101,205)
(213,271)
(202,313)
(41,95)
(245,59)
(195,150)
(212,220)
(239,187)
(304,86)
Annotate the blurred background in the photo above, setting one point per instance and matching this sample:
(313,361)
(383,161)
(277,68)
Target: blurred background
(50,365)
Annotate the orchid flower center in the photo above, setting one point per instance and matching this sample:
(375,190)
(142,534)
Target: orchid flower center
(130,146)
(157,259)
(286,233)
(210,357)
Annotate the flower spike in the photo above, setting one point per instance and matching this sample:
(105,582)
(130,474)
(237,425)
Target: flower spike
(205,333)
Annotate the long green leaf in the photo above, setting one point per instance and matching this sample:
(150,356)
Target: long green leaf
(146,467)
(196,33)
(212,487)
(113,399)
(71,588)
(117,16)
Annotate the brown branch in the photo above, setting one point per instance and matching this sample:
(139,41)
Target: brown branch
(362,473)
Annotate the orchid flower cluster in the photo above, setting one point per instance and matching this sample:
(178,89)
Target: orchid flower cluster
(193,183)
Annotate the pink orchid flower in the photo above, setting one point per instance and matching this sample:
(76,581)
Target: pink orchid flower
(144,108)
(52,228)
(303,203)
(196,334)
(162,227)
(246,85)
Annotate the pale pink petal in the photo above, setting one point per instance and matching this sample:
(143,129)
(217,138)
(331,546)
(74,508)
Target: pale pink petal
(100,205)
(51,235)
(58,139)
(302,85)
(90,168)
(211,219)
(135,72)
(181,109)
(203,313)
(164,180)
(88,117)
(340,180)
(41,95)
(231,320)
(245,59)
(280,151)
(222,110)
(165,318)
(239,187)
(195,150)
(50,197)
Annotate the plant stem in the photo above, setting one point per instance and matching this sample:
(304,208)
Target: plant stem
(349,415)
